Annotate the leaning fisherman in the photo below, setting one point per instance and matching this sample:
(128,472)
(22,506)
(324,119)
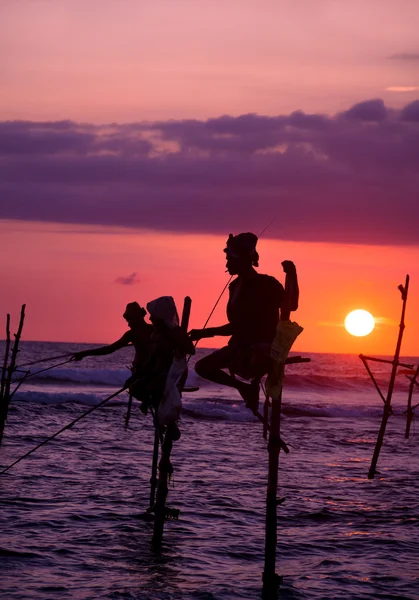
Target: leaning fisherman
(138,335)
(253,315)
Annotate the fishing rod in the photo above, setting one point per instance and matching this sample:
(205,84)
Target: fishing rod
(36,362)
(65,427)
(41,371)
(14,370)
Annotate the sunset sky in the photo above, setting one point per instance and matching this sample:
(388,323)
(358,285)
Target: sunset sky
(136,135)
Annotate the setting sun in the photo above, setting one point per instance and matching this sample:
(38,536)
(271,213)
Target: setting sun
(359,323)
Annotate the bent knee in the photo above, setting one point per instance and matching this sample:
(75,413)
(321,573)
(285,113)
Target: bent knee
(201,368)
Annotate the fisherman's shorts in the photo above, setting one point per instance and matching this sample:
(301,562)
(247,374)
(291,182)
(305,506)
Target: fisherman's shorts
(248,362)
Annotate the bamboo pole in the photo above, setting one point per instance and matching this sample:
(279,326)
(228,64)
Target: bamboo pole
(410,413)
(280,348)
(128,415)
(165,468)
(153,479)
(162,489)
(370,373)
(11,368)
(271,580)
(388,362)
(387,404)
(266,416)
(6,358)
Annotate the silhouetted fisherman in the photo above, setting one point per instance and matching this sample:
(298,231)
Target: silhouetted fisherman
(253,315)
(167,341)
(138,335)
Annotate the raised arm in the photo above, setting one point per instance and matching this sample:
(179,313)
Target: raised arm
(292,292)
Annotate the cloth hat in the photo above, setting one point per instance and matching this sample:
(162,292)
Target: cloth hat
(243,245)
(164,309)
(134,310)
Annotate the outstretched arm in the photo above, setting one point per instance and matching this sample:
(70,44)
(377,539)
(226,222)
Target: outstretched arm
(199,334)
(125,340)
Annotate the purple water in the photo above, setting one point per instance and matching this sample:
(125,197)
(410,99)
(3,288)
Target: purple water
(71,517)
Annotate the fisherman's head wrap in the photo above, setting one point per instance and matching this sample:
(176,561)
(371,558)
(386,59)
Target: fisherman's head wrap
(134,311)
(243,245)
(164,309)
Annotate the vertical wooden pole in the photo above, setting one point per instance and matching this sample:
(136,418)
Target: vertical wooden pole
(153,479)
(265,416)
(5,400)
(128,415)
(410,412)
(387,405)
(164,464)
(272,581)
(6,358)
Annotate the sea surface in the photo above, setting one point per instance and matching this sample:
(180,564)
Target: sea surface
(72,514)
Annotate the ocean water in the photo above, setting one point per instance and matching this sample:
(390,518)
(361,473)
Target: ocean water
(71,514)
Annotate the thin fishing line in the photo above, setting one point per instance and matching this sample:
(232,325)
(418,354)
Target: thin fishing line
(68,426)
(35,362)
(42,371)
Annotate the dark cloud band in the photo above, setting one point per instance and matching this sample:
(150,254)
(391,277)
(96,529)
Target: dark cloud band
(352,178)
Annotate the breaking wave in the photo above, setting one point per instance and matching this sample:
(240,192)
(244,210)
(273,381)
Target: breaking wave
(204,408)
(116,377)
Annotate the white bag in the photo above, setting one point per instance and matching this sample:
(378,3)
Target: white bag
(171,403)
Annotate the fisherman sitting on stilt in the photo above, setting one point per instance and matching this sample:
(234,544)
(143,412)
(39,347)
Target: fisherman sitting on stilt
(253,315)
(138,335)
(150,380)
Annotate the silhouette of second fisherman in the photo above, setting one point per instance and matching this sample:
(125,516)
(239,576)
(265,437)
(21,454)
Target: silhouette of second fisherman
(138,335)
(253,315)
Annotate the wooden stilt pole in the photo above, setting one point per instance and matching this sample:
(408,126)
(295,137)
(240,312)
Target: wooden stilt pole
(165,470)
(6,358)
(165,466)
(266,405)
(410,413)
(128,415)
(272,581)
(6,380)
(153,479)
(395,364)
(286,334)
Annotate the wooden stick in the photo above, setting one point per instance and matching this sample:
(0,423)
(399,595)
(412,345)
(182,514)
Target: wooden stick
(153,479)
(370,373)
(265,415)
(127,416)
(272,581)
(410,413)
(387,405)
(6,358)
(20,383)
(414,381)
(10,371)
(388,362)
(165,464)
